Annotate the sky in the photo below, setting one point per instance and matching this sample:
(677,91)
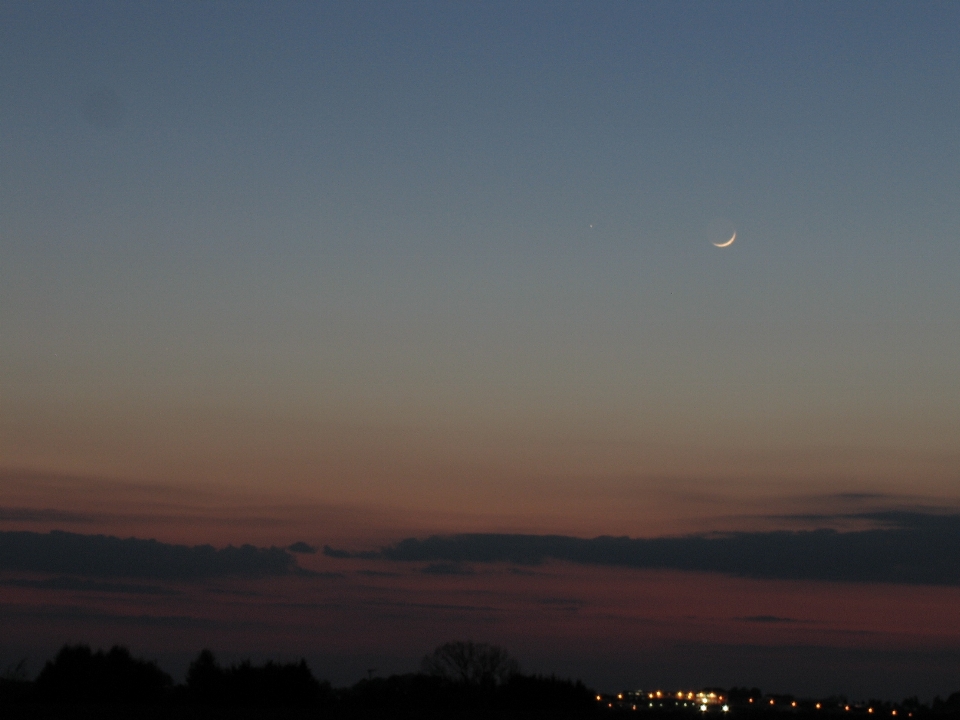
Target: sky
(348,274)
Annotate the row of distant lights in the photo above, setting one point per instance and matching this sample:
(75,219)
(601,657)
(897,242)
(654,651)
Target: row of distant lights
(706,699)
(845,707)
(703,698)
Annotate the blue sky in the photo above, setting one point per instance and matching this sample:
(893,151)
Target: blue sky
(484,217)
(433,267)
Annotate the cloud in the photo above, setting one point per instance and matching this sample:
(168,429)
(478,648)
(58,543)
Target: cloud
(863,496)
(339,554)
(321,575)
(445,568)
(343,554)
(905,548)
(302,547)
(80,584)
(66,517)
(106,556)
(19,514)
(76,614)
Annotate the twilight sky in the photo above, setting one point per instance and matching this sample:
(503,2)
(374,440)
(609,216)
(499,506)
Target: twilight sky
(350,273)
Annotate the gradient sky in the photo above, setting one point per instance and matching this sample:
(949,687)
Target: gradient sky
(344,272)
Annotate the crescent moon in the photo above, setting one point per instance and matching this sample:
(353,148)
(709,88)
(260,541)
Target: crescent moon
(728,243)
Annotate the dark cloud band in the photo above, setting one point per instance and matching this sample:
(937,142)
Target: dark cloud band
(106,556)
(907,548)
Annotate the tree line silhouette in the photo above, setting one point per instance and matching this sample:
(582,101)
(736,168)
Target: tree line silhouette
(458,680)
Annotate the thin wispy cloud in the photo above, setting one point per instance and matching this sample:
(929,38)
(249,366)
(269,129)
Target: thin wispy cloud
(444,568)
(22,514)
(86,585)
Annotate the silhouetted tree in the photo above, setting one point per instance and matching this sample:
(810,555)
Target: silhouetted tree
(471,663)
(911,703)
(272,684)
(14,685)
(411,695)
(950,706)
(432,697)
(205,679)
(79,675)
(536,696)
